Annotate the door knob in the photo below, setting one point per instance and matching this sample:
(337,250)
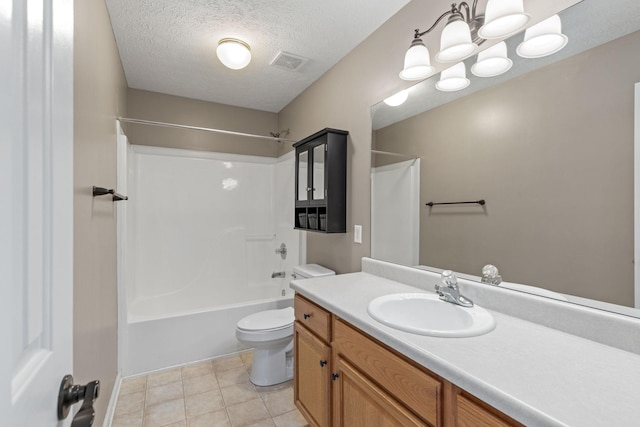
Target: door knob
(72,393)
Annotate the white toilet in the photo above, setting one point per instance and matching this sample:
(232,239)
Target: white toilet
(270,333)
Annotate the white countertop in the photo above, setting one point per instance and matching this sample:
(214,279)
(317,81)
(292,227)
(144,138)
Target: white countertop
(537,375)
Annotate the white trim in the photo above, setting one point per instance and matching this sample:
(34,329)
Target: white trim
(113,401)
(211,155)
(636,193)
(121,242)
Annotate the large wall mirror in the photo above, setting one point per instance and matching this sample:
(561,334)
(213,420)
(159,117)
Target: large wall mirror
(549,146)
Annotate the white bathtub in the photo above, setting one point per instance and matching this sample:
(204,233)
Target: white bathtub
(160,336)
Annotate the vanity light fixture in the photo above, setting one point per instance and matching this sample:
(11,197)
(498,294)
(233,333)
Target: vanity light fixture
(397,99)
(492,61)
(417,65)
(464,32)
(542,39)
(503,18)
(453,78)
(233,53)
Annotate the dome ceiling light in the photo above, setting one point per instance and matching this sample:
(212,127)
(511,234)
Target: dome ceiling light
(233,53)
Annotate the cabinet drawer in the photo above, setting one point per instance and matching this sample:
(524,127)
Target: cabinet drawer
(417,390)
(315,318)
(471,414)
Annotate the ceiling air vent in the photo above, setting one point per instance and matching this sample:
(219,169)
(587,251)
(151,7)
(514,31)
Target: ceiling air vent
(288,61)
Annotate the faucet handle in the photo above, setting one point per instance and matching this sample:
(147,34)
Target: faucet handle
(449,278)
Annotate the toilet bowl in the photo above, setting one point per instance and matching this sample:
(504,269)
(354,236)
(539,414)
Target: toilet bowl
(270,333)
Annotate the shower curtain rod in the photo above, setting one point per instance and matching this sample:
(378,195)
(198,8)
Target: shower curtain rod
(177,126)
(388,153)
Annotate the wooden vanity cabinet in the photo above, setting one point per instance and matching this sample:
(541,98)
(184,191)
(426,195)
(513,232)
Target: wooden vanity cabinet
(379,385)
(469,411)
(312,362)
(345,378)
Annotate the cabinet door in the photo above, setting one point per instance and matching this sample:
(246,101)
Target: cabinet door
(312,380)
(319,159)
(359,402)
(302,176)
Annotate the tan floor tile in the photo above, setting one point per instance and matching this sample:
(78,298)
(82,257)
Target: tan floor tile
(232,376)
(247,358)
(131,419)
(197,385)
(290,419)
(165,413)
(132,385)
(163,393)
(239,393)
(178,424)
(130,402)
(202,403)
(247,413)
(197,369)
(279,402)
(268,422)
(164,377)
(276,387)
(217,418)
(226,363)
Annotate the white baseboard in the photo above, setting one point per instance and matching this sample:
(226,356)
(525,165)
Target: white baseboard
(113,400)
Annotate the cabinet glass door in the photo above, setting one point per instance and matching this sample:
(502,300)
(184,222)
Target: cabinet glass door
(303,175)
(318,172)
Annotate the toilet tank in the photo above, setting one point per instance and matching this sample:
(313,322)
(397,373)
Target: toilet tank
(307,271)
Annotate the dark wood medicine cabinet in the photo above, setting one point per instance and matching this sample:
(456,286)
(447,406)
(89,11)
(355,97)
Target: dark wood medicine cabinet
(321,182)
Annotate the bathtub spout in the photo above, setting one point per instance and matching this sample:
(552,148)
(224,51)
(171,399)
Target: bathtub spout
(278,274)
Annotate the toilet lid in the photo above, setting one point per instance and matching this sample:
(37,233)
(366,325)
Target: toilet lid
(268,320)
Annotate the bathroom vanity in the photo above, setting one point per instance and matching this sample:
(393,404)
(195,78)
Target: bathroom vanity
(352,370)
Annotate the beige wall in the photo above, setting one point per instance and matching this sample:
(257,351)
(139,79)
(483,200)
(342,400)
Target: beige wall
(99,94)
(552,153)
(342,99)
(174,109)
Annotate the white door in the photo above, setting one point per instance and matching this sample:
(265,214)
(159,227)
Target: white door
(36,208)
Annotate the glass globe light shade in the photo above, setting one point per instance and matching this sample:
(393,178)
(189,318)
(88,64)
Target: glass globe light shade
(542,39)
(233,53)
(455,42)
(453,78)
(503,18)
(492,61)
(417,65)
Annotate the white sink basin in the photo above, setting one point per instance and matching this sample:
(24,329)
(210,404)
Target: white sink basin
(426,314)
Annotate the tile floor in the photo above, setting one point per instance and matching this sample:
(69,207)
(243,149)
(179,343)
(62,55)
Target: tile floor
(212,393)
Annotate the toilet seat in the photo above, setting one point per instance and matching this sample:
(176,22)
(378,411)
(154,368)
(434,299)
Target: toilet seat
(265,326)
(269,320)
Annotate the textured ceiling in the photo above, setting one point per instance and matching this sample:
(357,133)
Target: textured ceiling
(168,46)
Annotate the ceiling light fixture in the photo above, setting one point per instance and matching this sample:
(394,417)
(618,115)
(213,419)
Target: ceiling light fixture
(397,99)
(542,39)
(492,61)
(233,53)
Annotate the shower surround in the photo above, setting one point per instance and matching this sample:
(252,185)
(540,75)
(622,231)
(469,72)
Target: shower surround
(201,235)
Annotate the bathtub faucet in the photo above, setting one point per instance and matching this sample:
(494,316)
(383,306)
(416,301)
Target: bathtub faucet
(278,274)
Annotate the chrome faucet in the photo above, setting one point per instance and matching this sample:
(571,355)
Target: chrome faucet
(449,290)
(491,275)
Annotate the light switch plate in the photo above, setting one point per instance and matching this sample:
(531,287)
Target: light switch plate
(357,234)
